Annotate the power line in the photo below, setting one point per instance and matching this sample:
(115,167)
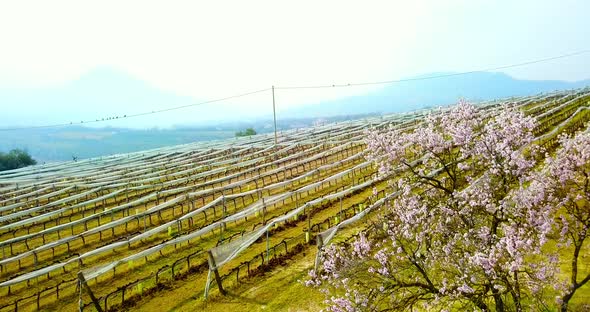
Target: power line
(302,87)
(434,77)
(137,114)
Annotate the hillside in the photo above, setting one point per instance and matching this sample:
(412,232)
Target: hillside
(147,230)
(410,95)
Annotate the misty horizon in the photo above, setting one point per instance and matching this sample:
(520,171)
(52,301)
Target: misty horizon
(105,97)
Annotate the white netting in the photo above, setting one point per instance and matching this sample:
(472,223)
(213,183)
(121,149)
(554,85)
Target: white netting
(250,210)
(174,172)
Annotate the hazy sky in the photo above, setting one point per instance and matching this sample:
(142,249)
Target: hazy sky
(209,49)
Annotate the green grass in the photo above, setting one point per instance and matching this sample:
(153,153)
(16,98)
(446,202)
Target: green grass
(278,290)
(582,295)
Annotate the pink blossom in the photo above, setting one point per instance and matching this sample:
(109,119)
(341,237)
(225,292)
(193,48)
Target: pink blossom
(471,213)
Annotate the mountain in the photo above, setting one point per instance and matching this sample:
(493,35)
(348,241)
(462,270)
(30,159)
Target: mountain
(101,93)
(109,93)
(106,91)
(415,94)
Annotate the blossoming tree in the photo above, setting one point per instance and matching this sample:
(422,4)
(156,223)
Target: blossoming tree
(568,182)
(462,231)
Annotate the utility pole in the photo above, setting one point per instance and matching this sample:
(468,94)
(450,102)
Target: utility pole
(274,113)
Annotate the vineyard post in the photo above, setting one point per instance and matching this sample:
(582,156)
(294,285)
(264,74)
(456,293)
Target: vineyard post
(309,220)
(215,272)
(224,207)
(340,214)
(267,247)
(320,244)
(82,282)
(263,211)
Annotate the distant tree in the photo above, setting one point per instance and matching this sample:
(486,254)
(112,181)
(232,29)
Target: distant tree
(247,132)
(15,159)
(320,122)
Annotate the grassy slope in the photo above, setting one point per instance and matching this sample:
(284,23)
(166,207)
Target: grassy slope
(581,299)
(278,290)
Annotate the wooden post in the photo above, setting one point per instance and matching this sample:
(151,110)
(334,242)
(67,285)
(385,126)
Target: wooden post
(215,272)
(309,219)
(223,201)
(82,281)
(340,214)
(320,243)
(221,230)
(263,212)
(267,247)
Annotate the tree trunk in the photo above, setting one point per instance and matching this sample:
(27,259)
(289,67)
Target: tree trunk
(574,277)
(565,300)
(499,301)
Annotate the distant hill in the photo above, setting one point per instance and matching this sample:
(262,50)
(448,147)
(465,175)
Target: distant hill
(101,93)
(106,91)
(109,93)
(410,95)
